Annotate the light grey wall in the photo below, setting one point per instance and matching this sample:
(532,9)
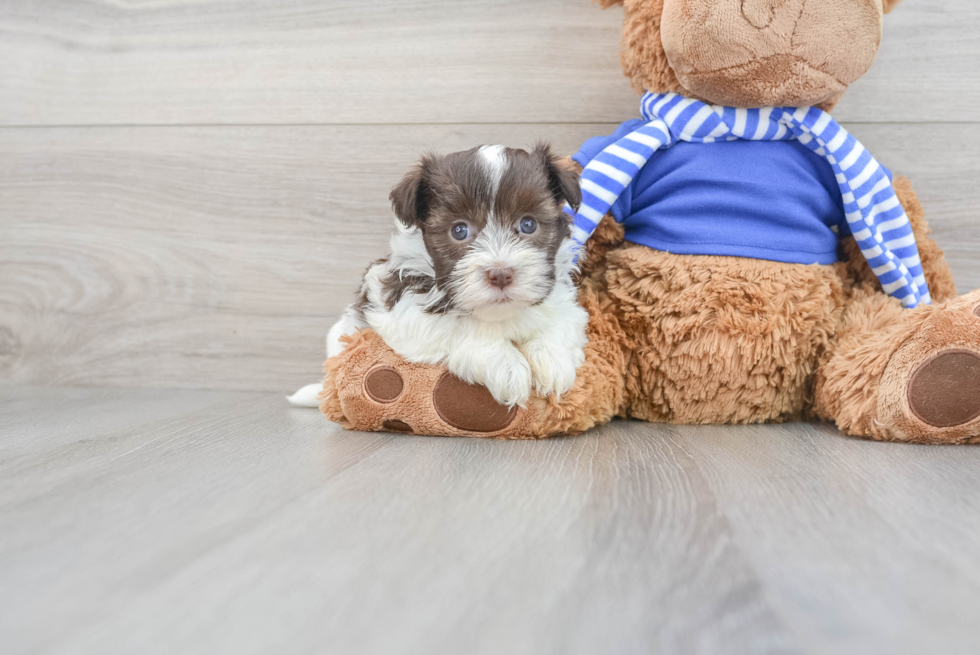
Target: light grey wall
(190,191)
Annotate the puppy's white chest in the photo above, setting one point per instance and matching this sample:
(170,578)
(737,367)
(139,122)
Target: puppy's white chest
(515,326)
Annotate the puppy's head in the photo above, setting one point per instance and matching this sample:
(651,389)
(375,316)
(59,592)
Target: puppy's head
(492,222)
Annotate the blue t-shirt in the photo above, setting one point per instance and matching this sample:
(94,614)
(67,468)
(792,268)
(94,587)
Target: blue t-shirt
(774,200)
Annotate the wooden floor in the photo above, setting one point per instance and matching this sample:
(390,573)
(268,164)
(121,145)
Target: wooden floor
(148,521)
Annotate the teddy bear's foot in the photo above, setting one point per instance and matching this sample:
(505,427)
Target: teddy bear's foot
(943,391)
(370,387)
(930,390)
(462,406)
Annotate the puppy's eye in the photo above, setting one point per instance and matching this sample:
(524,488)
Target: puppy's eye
(460,231)
(528,225)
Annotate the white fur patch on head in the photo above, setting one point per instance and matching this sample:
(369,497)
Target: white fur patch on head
(494,160)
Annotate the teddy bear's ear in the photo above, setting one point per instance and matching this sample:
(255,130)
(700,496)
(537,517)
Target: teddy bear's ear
(410,199)
(888,5)
(563,182)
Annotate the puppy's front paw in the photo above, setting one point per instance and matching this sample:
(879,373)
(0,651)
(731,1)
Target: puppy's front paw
(553,367)
(508,378)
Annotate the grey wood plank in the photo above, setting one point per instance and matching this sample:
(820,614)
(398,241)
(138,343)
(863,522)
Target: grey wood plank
(865,547)
(210,478)
(219,257)
(254,527)
(928,59)
(35,418)
(310,62)
(259,527)
(400,61)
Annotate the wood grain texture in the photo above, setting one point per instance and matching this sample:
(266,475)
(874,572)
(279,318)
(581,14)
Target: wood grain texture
(229,522)
(218,257)
(408,61)
(882,540)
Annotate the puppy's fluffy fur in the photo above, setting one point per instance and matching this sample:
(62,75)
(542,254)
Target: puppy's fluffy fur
(479,276)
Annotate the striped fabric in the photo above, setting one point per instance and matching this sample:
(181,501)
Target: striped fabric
(874,214)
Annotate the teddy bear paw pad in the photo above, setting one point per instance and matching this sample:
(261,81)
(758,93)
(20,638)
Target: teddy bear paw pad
(394,425)
(944,391)
(469,407)
(383,384)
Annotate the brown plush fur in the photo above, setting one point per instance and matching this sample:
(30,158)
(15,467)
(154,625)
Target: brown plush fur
(751,53)
(953,326)
(863,383)
(775,73)
(705,339)
(721,339)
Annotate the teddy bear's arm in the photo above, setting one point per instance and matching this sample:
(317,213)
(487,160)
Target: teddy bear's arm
(936,268)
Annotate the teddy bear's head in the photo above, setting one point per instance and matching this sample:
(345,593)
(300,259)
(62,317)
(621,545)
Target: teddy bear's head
(750,53)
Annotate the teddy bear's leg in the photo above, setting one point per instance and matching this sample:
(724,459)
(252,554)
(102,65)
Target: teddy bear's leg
(904,375)
(721,339)
(368,386)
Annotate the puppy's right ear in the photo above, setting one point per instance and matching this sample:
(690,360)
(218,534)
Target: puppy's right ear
(411,198)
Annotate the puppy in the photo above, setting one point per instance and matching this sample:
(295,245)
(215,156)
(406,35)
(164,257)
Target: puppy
(479,276)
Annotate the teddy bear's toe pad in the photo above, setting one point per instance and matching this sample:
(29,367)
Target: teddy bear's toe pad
(976,311)
(383,384)
(469,407)
(945,390)
(394,425)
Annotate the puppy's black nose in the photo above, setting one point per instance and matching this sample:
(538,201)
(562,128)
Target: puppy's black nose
(500,277)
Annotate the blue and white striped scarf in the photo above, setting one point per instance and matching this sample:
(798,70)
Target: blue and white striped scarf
(874,214)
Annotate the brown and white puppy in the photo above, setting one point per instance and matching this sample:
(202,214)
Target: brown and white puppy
(479,276)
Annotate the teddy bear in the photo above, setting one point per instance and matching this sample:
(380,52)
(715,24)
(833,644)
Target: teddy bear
(721,282)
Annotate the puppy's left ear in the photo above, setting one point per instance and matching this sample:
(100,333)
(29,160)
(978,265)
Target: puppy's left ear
(563,182)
